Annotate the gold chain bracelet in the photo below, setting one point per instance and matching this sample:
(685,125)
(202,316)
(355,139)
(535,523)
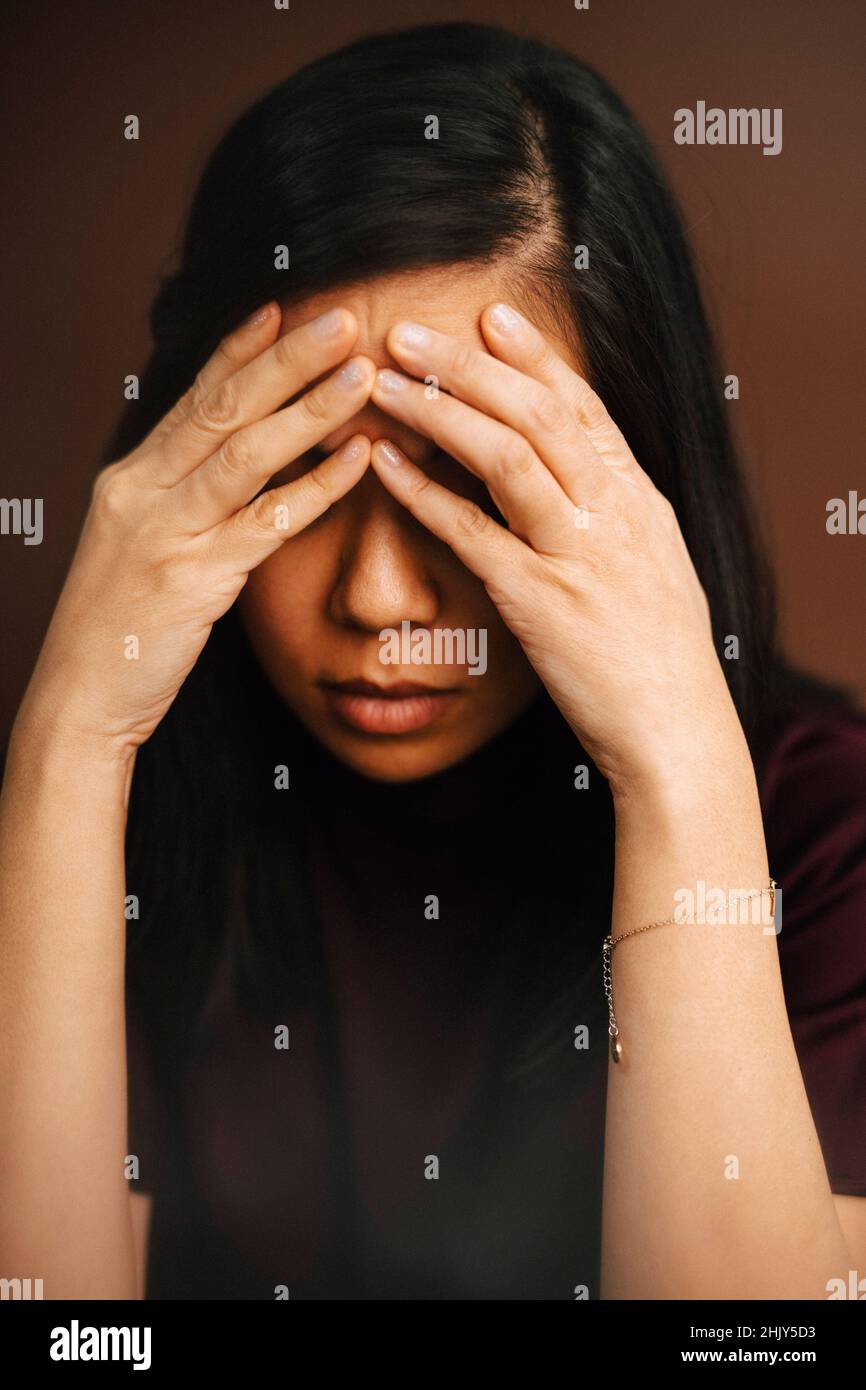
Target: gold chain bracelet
(610,942)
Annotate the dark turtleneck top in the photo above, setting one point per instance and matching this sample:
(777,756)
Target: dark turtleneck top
(435,1127)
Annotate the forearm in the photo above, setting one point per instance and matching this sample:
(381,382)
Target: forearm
(64,1200)
(715,1185)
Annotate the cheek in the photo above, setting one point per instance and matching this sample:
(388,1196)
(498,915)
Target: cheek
(284,603)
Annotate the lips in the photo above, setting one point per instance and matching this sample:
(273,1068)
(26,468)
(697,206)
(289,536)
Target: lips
(400,690)
(400,708)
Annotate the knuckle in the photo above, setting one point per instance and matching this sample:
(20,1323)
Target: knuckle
(471,520)
(236,454)
(517,457)
(462,360)
(195,392)
(109,491)
(182,410)
(218,410)
(179,411)
(226,350)
(314,407)
(546,412)
(103,478)
(262,513)
(285,350)
(591,408)
(419,483)
(317,481)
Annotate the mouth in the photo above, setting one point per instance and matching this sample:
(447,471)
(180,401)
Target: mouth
(401,708)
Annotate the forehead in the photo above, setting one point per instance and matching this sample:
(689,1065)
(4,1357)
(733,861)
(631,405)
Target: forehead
(447,298)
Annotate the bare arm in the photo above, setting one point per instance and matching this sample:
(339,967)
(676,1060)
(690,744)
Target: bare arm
(64,1200)
(594,578)
(715,1185)
(171,536)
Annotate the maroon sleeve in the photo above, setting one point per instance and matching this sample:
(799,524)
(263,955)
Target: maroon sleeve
(813,792)
(145,1113)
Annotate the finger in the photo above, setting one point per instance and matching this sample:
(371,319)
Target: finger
(234,351)
(483,546)
(260,386)
(526,405)
(249,458)
(511,336)
(526,493)
(255,532)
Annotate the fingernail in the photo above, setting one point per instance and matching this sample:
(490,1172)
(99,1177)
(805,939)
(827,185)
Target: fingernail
(259,315)
(350,376)
(391,381)
(390,454)
(412,335)
(504,318)
(351,451)
(328,325)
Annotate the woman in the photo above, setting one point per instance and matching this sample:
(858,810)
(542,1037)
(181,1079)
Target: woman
(371,1051)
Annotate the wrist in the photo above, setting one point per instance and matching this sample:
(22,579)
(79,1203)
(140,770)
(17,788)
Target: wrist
(41,748)
(687,780)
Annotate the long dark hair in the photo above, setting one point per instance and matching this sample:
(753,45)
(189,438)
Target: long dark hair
(535,156)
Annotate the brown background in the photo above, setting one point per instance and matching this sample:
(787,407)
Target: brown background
(89,221)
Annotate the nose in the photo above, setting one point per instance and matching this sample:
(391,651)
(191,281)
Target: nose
(384,576)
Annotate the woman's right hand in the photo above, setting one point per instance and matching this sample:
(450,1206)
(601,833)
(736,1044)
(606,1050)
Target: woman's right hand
(174,529)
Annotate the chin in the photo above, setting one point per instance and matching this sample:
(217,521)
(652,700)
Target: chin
(403,759)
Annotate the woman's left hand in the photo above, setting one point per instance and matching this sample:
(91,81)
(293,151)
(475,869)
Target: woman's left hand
(592,575)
